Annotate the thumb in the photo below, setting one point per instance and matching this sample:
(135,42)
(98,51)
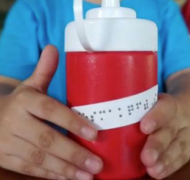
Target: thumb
(45,70)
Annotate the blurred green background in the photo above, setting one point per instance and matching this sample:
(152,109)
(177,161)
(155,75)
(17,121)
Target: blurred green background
(6,4)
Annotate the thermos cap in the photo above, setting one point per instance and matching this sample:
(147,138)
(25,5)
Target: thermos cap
(109,28)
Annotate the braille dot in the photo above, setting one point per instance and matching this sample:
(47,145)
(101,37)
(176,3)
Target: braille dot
(100,112)
(129,106)
(92,116)
(120,116)
(137,107)
(92,120)
(110,110)
(129,114)
(119,109)
(83,114)
(102,119)
(104,111)
(94,112)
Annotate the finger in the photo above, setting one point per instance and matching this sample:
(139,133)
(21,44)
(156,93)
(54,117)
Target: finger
(159,115)
(45,69)
(58,145)
(16,164)
(173,152)
(175,166)
(49,109)
(157,143)
(39,158)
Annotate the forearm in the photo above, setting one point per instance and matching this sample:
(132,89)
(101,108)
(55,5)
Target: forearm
(179,86)
(7,85)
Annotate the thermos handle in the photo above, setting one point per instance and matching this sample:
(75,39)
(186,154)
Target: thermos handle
(80,25)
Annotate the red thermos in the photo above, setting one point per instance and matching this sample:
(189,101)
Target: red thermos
(112,81)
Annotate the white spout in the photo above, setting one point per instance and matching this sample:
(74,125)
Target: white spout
(110,3)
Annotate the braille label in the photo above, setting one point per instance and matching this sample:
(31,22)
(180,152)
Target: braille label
(120,112)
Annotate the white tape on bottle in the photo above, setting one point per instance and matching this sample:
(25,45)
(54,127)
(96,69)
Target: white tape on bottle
(120,112)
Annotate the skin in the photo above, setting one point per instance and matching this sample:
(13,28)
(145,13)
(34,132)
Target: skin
(36,144)
(168,126)
(31,147)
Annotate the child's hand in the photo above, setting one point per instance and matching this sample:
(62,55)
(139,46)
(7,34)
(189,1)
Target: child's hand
(29,146)
(168,146)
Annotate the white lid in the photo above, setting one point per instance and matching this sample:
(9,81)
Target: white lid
(109,28)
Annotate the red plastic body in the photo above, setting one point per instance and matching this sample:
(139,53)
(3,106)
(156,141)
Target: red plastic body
(103,76)
(186,13)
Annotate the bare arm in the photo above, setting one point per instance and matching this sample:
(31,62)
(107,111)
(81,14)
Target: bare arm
(179,86)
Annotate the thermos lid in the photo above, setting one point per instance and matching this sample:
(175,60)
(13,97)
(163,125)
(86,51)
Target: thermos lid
(109,28)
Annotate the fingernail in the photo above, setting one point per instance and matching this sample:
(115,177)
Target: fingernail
(93,165)
(89,133)
(60,178)
(149,127)
(163,175)
(159,168)
(153,154)
(81,175)
(54,176)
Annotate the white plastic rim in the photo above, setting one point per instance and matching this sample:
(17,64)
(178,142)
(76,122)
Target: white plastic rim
(111,13)
(110,3)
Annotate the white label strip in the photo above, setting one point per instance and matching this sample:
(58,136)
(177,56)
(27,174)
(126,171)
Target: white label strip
(120,112)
